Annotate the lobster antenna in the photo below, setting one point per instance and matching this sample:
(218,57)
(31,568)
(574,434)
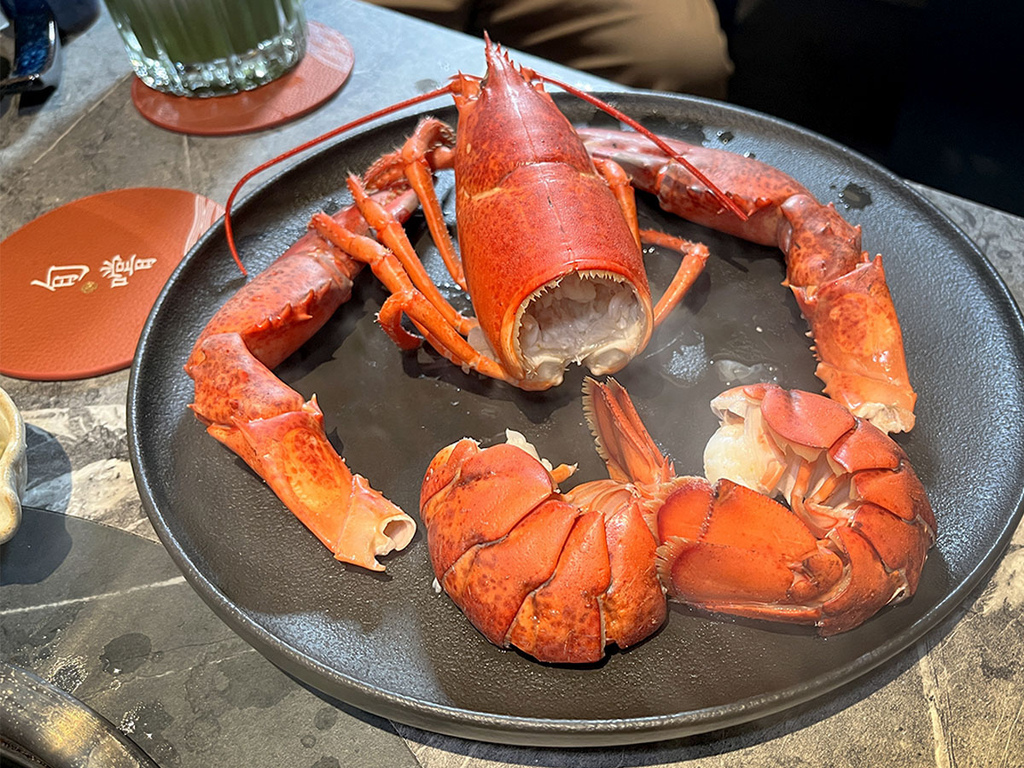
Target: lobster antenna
(661,143)
(229,230)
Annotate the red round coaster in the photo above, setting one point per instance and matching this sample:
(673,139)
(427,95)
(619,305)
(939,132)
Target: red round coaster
(320,74)
(79,281)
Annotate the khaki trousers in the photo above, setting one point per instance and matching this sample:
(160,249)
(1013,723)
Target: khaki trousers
(668,45)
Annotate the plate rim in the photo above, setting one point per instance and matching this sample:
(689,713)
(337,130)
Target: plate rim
(559,732)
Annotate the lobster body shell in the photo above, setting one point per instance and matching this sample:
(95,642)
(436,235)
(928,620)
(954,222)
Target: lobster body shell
(531,209)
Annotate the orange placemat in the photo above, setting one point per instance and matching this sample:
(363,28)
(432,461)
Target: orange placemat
(77,283)
(320,74)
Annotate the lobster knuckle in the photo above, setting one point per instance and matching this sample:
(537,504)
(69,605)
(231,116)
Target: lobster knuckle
(280,310)
(840,291)
(232,385)
(820,244)
(853,316)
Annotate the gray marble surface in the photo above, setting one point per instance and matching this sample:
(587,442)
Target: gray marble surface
(91,603)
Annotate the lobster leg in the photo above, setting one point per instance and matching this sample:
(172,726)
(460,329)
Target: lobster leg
(439,334)
(414,159)
(695,257)
(392,234)
(621,187)
(431,320)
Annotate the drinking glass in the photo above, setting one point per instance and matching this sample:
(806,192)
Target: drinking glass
(210,47)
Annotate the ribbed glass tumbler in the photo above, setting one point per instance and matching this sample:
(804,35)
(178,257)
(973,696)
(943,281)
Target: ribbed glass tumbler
(210,47)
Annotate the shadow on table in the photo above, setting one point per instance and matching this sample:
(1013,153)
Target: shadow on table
(49,471)
(40,545)
(719,742)
(42,541)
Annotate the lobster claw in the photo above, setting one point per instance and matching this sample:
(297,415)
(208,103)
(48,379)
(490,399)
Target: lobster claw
(730,549)
(272,427)
(853,539)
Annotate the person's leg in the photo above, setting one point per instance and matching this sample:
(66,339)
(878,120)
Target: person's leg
(455,14)
(671,45)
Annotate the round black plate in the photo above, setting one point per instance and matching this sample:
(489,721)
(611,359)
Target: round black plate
(390,643)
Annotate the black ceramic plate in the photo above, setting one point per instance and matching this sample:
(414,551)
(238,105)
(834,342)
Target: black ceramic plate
(388,643)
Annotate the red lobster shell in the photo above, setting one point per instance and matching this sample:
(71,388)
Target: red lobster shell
(560,576)
(557,576)
(855,535)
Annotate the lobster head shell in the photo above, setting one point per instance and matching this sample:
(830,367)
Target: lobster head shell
(551,254)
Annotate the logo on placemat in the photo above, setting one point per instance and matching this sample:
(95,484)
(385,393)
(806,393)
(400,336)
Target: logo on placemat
(62,277)
(119,269)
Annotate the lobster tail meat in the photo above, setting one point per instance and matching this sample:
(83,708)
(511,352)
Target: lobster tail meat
(853,539)
(273,428)
(841,292)
(557,576)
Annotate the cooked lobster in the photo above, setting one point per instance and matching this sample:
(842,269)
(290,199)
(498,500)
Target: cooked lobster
(550,255)
(271,426)
(543,198)
(549,244)
(560,576)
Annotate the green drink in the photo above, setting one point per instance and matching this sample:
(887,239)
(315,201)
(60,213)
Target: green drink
(210,47)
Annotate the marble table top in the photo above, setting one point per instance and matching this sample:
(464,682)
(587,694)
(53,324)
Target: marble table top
(91,602)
